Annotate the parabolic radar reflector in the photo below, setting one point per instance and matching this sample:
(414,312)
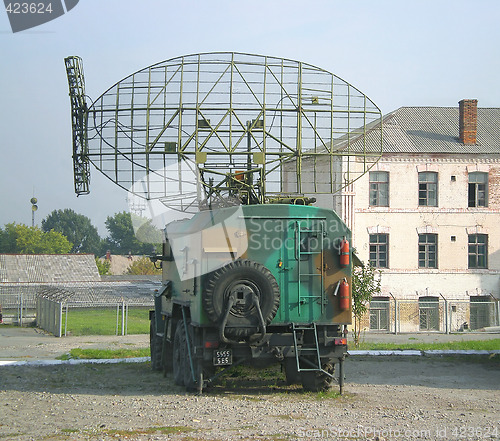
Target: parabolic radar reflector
(255,128)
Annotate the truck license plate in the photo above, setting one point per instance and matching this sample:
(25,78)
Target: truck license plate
(223,357)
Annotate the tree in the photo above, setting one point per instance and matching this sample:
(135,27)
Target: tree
(103,266)
(143,266)
(122,238)
(8,239)
(77,228)
(365,285)
(21,239)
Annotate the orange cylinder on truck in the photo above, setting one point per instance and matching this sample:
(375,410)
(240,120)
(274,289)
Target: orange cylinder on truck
(344,295)
(344,253)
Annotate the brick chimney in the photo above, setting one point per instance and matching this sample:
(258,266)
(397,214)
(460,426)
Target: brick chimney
(467,124)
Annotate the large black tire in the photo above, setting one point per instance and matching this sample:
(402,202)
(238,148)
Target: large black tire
(317,381)
(180,354)
(244,278)
(155,345)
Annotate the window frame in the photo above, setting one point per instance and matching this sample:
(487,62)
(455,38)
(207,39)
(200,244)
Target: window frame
(424,249)
(376,262)
(474,190)
(426,187)
(474,244)
(379,186)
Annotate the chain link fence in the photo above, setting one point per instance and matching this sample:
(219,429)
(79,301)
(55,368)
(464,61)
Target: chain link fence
(82,318)
(95,307)
(17,302)
(99,307)
(431,314)
(112,307)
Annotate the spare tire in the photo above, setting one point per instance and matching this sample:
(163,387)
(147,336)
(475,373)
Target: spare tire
(243,279)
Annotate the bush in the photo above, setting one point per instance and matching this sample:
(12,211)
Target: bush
(143,266)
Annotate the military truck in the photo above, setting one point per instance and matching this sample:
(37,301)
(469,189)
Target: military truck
(284,298)
(225,152)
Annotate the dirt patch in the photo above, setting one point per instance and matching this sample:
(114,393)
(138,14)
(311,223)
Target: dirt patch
(386,398)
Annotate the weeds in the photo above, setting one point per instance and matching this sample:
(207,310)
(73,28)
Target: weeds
(79,353)
(478,345)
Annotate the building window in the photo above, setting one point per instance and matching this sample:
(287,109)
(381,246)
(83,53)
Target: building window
(427,250)
(379,189)
(428,308)
(379,313)
(478,189)
(478,251)
(482,312)
(379,247)
(427,189)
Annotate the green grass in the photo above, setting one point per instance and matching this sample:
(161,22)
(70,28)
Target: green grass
(102,321)
(105,354)
(328,395)
(478,345)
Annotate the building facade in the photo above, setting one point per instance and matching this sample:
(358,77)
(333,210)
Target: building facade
(427,215)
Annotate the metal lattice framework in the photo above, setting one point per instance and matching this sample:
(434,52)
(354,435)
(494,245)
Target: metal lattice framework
(81,166)
(249,126)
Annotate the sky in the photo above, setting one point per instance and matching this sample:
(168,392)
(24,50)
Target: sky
(398,53)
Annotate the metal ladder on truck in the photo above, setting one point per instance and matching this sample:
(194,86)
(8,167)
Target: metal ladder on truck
(303,235)
(308,355)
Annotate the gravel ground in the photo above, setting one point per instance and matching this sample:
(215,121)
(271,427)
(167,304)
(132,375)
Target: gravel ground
(387,398)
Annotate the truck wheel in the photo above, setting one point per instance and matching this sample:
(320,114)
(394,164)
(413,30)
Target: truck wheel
(317,381)
(155,344)
(180,354)
(243,279)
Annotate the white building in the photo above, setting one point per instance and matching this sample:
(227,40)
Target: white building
(428,214)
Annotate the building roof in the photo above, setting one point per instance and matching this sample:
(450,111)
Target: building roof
(101,293)
(435,130)
(47,268)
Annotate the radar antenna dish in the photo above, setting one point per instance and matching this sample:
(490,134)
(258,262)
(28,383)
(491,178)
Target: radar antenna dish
(252,128)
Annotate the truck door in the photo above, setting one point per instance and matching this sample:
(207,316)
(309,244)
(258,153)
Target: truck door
(302,256)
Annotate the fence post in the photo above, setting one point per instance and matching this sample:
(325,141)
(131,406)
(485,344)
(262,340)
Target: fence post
(37,311)
(446,329)
(59,325)
(395,314)
(498,312)
(66,321)
(126,318)
(123,317)
(117,317)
